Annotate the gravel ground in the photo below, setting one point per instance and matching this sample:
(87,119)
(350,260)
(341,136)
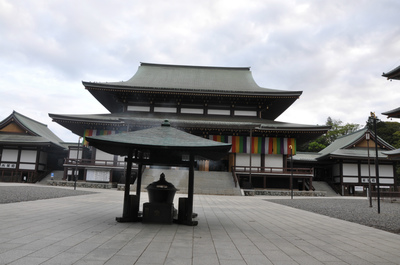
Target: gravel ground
(353,210)
(11,194)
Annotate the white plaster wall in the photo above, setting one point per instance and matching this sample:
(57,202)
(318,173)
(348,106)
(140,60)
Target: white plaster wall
(100,155)
(350,170)
(384,170)
(28,156)
(242,160)
(9,155)
(273,160)
(27,166)
(73,153)
(386,181)
(350,180)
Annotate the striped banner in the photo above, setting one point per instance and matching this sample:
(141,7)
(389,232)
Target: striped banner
(88,132)
(257,145)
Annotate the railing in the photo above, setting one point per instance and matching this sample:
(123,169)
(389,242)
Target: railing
(309,185)
(334,187)
(90,162)
(272,170)
(17,176)
(235,179)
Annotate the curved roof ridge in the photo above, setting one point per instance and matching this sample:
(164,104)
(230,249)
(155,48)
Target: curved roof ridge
(197,66)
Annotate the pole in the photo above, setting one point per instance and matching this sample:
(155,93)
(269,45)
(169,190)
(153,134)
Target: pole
(251,148)
(369,172)
(76,164)
(377,165)
(291,172)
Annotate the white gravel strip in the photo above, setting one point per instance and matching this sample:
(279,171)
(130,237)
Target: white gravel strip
(12,194)
(353,210)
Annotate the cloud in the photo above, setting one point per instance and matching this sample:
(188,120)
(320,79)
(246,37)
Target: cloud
(333,51)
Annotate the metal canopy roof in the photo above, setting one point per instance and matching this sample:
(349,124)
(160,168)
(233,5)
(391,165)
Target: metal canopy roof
(160,141)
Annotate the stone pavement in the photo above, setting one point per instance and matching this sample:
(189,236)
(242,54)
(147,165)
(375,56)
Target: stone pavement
(232,230)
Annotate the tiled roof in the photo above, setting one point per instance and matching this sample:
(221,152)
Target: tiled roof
(39,133)
(340,147)
(306,156)
(192,119)
(393,74)
(196,78)
(395,113)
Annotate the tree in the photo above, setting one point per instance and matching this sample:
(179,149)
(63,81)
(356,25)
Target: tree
(337,130)
(388,131)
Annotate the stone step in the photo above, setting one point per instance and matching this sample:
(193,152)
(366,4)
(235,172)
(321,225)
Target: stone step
(205,182)
(323,186)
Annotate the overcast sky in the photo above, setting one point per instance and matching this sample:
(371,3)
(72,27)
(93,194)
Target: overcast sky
(334,51)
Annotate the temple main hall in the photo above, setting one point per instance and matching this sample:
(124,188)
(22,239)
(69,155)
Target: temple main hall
(224,104)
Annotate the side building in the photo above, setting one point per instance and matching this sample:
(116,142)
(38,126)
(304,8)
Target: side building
(29,149)
(348,164)
(220,103)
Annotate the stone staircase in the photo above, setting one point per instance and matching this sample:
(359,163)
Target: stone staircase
(58,175)
(323,186)
(205,182)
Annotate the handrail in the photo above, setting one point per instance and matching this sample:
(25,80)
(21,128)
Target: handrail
(235,179)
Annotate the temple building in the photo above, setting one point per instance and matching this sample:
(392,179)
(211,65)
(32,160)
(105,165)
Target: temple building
(348,164)
(393,74)
(394,113)
(29,150)
(220,103)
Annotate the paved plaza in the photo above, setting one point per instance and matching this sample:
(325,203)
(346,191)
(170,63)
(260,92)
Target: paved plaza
(232,230)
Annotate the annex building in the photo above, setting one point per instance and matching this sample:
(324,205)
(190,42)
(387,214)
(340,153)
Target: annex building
(224,104)
(348,164)
(29,150)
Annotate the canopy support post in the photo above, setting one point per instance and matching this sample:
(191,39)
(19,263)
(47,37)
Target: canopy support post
(138,187)
(130,208)
(190,193)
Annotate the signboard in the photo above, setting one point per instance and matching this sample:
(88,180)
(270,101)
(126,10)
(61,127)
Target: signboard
(98,175)
(8,165)
(358,188)
(365,180)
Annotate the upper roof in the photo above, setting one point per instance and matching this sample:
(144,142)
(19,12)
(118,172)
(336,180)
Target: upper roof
(195,78)
(393,74)
(33,132)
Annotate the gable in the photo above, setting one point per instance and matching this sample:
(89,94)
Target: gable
(364,143)
(12,127)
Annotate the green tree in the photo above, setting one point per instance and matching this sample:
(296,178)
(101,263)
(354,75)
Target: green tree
(337,130)
(388,131)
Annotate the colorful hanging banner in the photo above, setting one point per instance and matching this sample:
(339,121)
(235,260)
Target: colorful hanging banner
(95,133)
(258,145)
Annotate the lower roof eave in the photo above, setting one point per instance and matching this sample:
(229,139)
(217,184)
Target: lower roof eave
(381,158)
